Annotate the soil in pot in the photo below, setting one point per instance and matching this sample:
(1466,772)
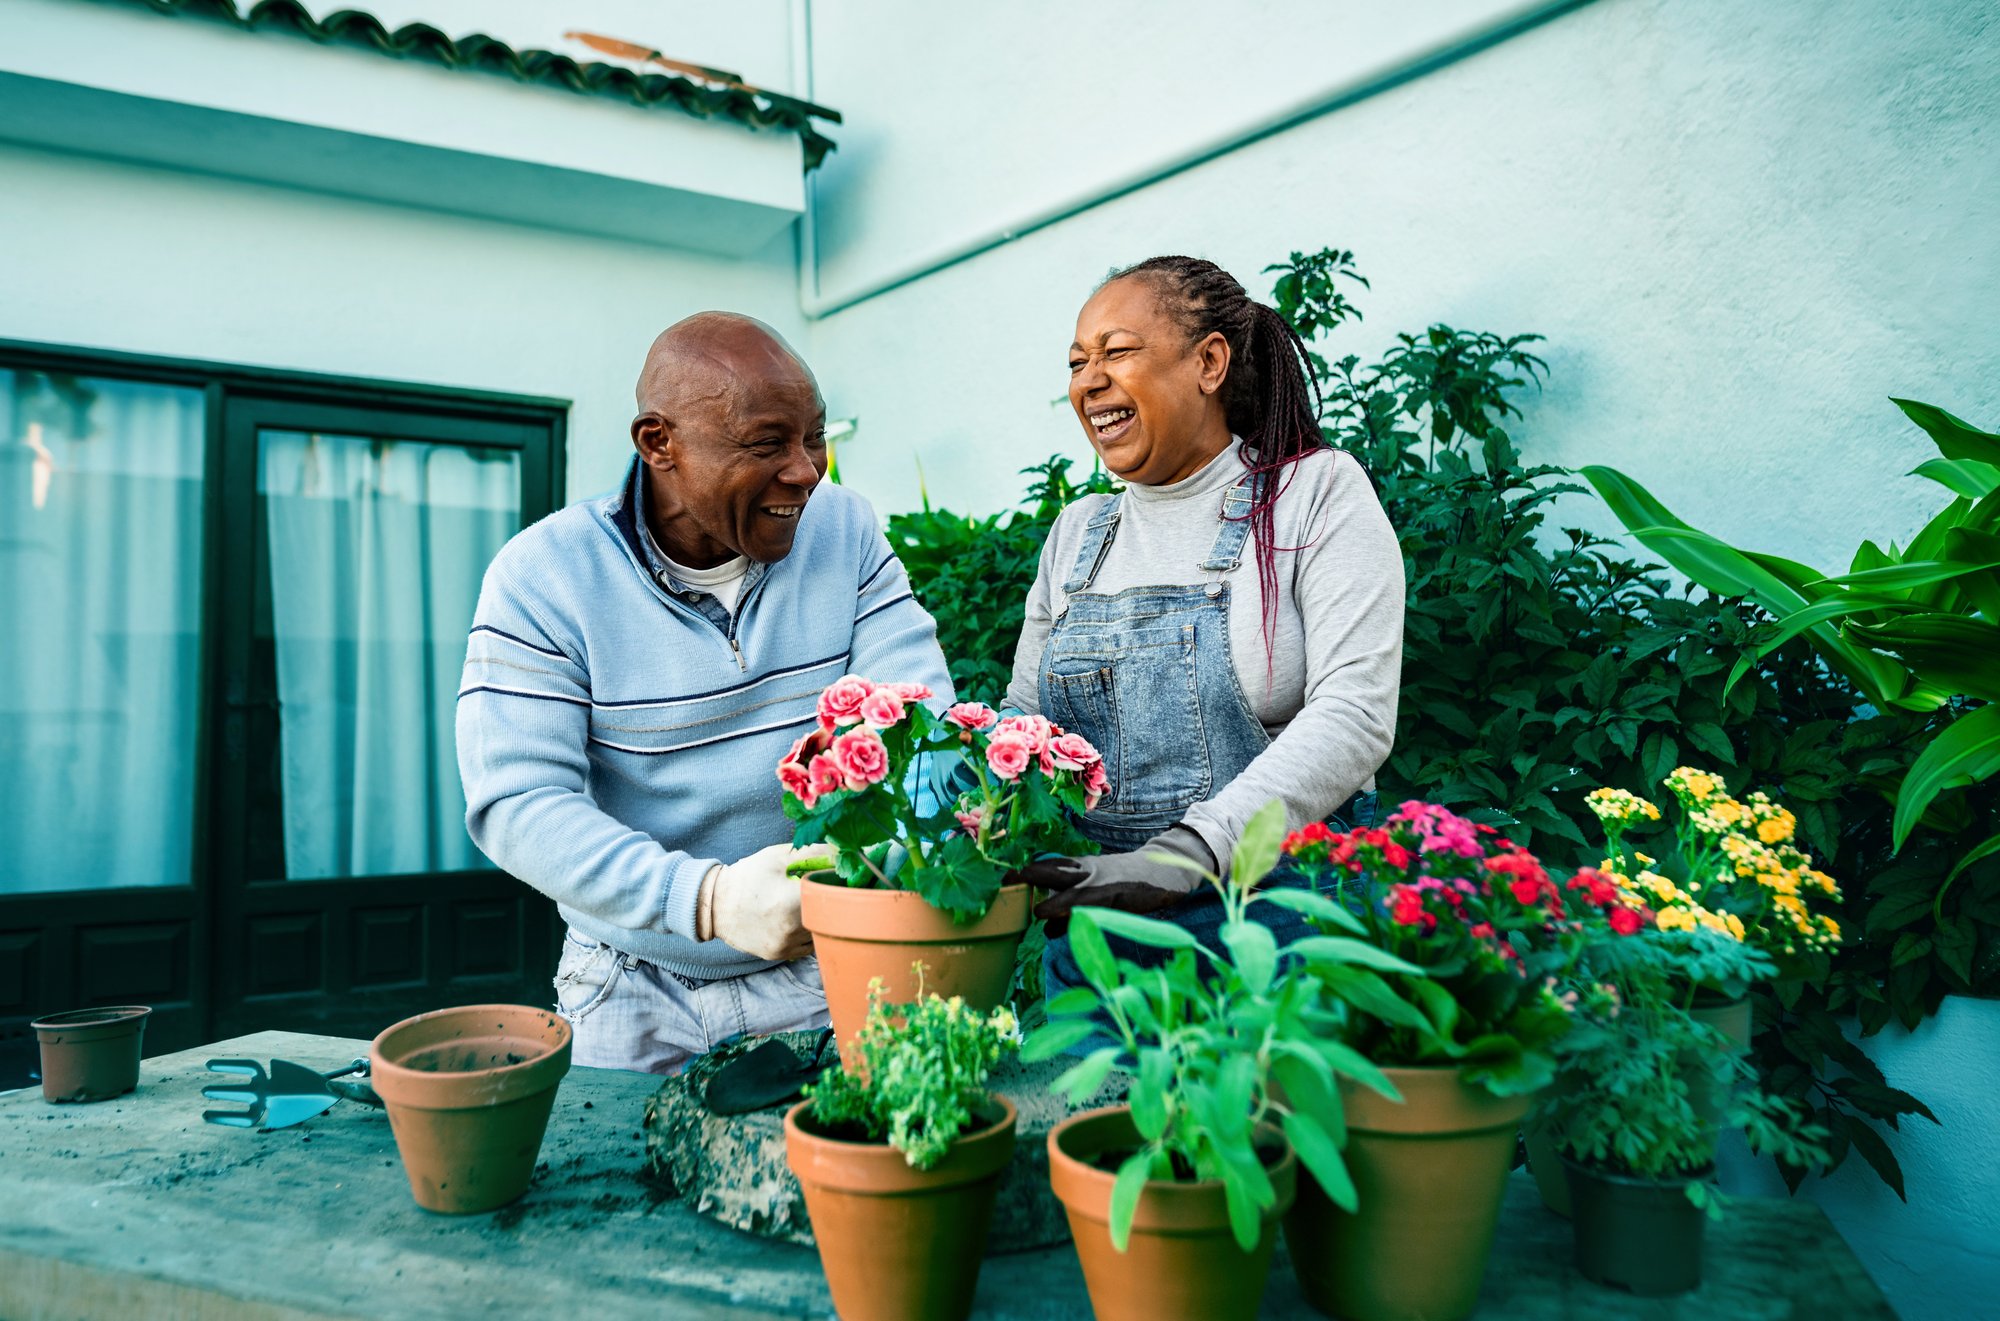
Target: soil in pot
(468,1092)
(91,1054)
(1429,1175)
(1181,1261)
(899,1244)
(1636,1234)
(862,934)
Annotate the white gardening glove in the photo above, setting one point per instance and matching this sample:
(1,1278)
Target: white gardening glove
(753,905)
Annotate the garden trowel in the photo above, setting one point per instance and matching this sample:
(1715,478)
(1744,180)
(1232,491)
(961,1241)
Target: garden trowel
(289,1094)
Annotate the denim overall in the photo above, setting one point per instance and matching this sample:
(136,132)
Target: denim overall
(1145,674)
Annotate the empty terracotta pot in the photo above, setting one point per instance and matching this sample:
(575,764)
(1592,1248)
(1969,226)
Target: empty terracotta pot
(1429,1175)
(863,934)
(899,1244)
(91,1054)
(468,1092)
(1182,1260)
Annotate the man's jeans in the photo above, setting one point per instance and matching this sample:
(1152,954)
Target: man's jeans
(629,1014)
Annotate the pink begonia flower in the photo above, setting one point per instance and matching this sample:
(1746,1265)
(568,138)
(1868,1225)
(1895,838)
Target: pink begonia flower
(825,775)
(862,758)
(1096,781)
(882,708)
(1007,755)
(814,742)
(910,692)
(840,704)
(1073,752)
(797,783)
(1036,729)
(972,715)
(972,820)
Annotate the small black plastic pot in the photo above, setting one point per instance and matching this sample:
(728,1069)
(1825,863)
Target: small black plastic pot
(1636,1234)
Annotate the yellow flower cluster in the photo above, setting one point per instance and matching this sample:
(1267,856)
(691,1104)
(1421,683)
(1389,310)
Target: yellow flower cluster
(1620,807)
(1746,851)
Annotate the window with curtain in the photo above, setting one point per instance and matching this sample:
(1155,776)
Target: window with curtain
(376,549)
(100,627)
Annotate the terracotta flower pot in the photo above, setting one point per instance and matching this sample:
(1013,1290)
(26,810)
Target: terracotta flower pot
(91,1054)
(1429,1175)
(862,934)
(899,1244)
(1636,1234)
(1182,1260)
(468,1092)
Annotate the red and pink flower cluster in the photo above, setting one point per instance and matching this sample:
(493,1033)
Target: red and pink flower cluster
(1019,742)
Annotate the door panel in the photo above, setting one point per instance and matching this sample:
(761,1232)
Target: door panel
(348,893)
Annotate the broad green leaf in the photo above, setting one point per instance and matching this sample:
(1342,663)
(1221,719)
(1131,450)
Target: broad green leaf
(1254,950)
(1093,954)
(1053,1039)
(1954,437)
(1313,905)
(1967,752)
(1347,950)
(1986,848)
(1076,1000)
(1321,1155)
(1309,1088)
(1244,1222)
(1125,1190)
(1087,1074)
(1909,574)
(1351,1063)
(1948,651)
(1257,847)
(1967,477)
(1149,1094)
(1371,995)
(1141,930)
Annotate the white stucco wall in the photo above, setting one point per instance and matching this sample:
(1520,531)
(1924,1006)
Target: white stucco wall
(1741,226)
(144,260)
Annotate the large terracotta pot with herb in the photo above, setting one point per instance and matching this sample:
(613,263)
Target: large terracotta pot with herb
(468,1091)
(1429,1176)
(1181,1259)
(899,1153)
(915,881)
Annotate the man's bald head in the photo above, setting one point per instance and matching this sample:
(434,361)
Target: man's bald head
(706,356)
(732,431)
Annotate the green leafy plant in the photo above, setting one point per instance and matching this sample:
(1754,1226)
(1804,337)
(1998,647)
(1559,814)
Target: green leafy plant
(1540,663)
(1207,1035)
(857,781)
(972,574)
(1646,1089)
(915,1076)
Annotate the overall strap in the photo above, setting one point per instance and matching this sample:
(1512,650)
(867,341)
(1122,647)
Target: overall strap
(1227,552)
(1097,536)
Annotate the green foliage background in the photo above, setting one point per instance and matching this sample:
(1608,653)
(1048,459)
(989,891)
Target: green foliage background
(1540,663)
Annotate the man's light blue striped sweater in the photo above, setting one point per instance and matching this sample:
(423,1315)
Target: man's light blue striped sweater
(618,736)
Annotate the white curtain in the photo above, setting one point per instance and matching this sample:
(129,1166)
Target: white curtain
(100,616)
(377,549)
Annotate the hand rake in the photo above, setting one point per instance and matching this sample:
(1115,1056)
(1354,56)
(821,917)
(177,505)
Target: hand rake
(289,1094)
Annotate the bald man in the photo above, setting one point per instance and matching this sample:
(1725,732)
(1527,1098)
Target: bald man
(638,666)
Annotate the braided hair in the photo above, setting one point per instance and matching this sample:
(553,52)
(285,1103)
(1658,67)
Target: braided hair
(1268,397)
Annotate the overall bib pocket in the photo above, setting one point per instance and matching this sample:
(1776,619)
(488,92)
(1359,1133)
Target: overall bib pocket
(1135,694)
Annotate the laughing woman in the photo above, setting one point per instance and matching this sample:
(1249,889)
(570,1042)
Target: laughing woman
(1228,629)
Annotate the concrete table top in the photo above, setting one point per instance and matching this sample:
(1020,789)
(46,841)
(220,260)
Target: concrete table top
(135,1208)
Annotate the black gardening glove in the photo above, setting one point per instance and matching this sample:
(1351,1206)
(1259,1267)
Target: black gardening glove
(1142,881)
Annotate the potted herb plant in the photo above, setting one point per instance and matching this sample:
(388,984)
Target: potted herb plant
(899,1151)
(910,885)
(1466,1036)
(1647,1089)
(1174,1199)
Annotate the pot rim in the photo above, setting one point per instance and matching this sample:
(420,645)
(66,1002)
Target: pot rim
(445,1089)
(900,917)
(70,1020)
(1167,1205)
(1608,1175)
(1472,1108)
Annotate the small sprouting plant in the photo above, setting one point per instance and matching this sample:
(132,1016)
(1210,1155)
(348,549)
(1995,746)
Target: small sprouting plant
(915,1075)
